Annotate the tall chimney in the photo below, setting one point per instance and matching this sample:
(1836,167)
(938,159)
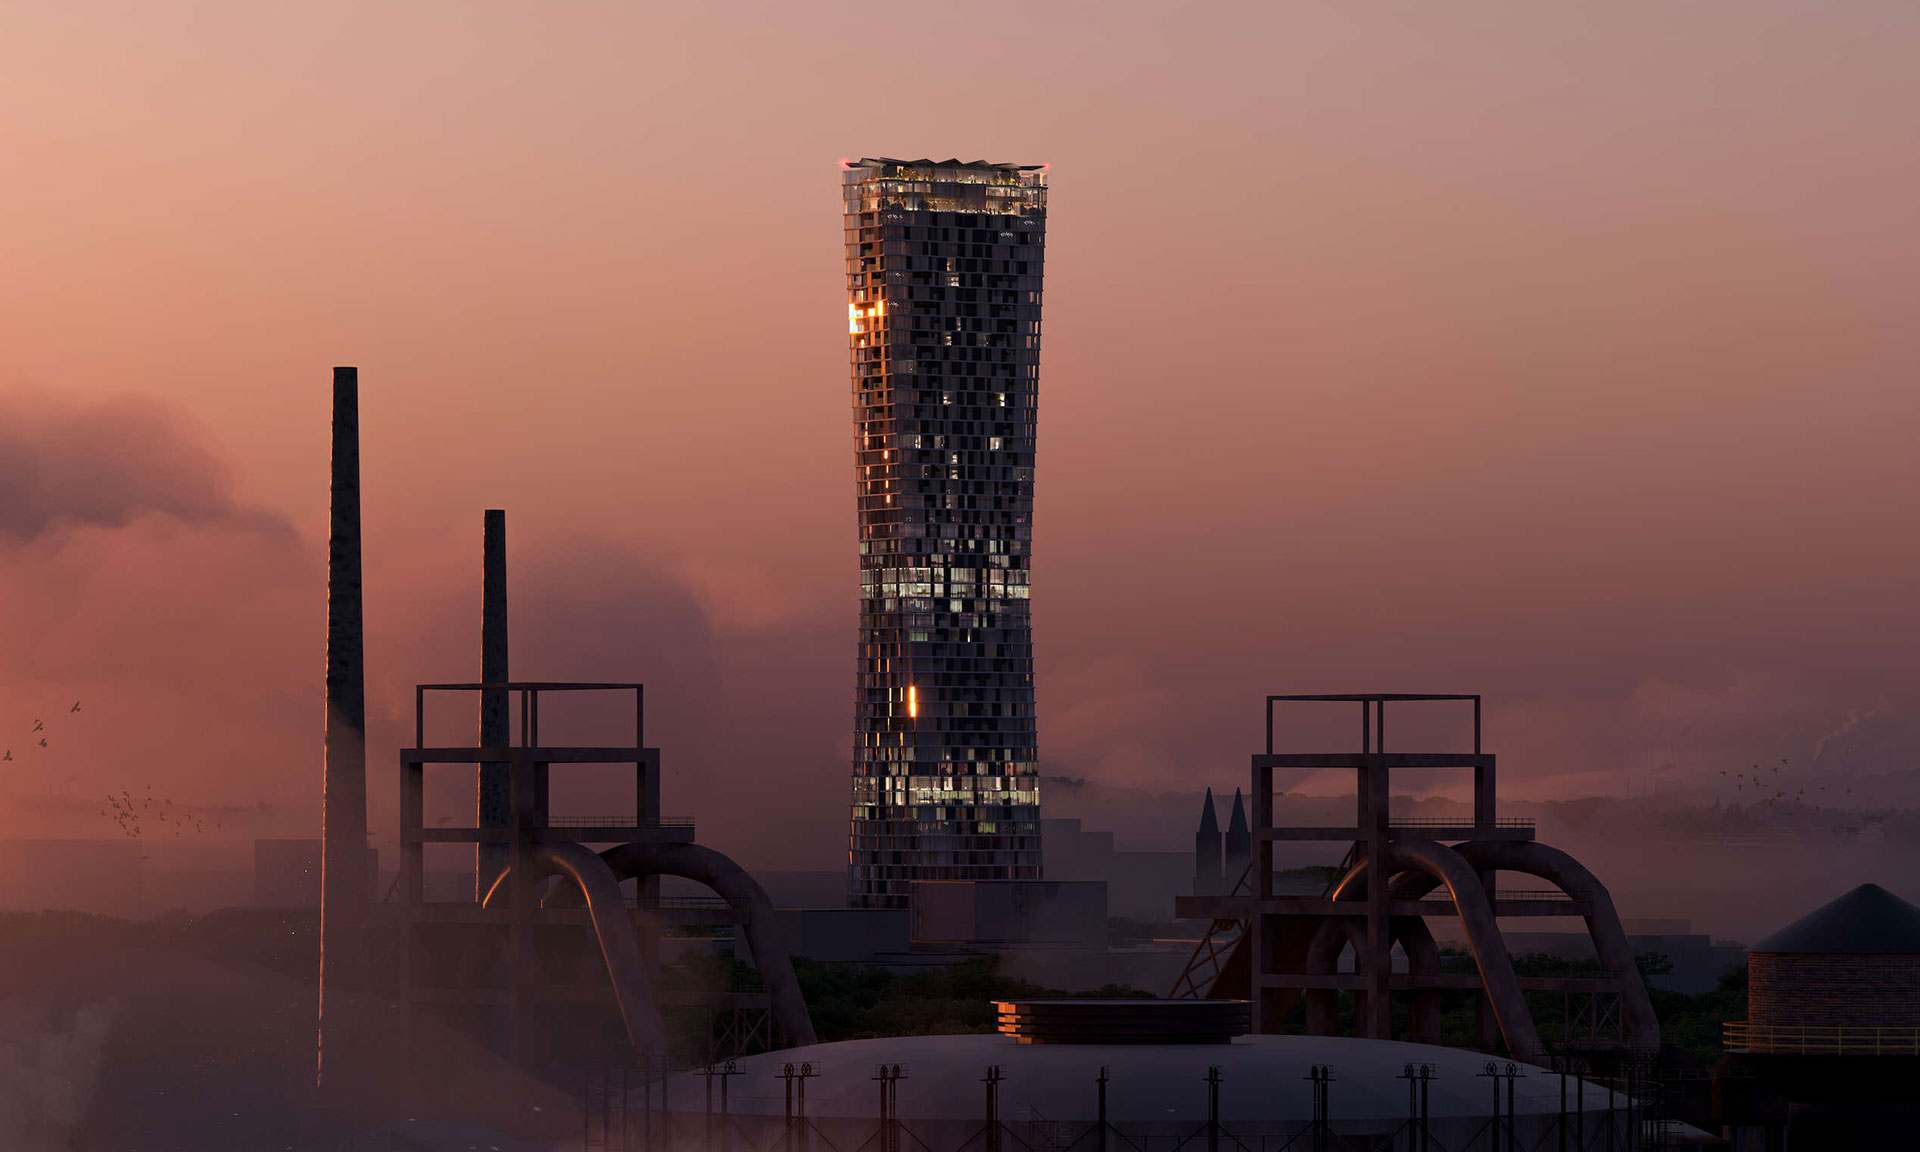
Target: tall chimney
(491,796)
(344,883)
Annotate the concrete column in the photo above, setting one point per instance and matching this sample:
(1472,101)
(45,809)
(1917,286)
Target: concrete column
(344,883)
(1266,1014)
(1376,1020)
(1486,1025)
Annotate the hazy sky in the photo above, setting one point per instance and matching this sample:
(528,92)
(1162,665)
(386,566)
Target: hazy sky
(1564,353)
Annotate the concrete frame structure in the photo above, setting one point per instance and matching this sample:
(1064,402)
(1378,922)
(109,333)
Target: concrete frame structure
(539,846)
(1289,946)
(517,845)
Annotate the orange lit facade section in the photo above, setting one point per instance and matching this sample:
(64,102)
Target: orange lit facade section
(944,265)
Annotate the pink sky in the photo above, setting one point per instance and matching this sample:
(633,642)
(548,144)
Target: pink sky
(1566,356)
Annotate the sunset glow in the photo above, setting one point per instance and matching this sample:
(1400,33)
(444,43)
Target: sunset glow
(1539,376)
(1560,354)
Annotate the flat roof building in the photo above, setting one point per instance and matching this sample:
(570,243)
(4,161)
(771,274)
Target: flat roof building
(944,266)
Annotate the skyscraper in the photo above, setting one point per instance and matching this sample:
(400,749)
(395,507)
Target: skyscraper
(943,303)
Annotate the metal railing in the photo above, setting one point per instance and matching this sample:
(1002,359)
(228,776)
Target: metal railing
(1820,1040)
(670,902)
(618,822)
(1630,1110)
(1458,822)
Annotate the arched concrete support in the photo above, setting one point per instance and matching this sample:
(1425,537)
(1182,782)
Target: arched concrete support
(600,890)
(1334,936)
(1489,948)
(1423,960)
(727,879)
(1603,922)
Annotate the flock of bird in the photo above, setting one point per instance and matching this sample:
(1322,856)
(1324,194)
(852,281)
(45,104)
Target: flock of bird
(1760,784)
(39,726)
(133,816)
(129,814)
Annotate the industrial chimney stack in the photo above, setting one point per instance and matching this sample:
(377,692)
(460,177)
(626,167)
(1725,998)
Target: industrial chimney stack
(490,859)
(344,883)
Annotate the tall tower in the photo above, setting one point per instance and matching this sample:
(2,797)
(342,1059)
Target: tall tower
(492,804)
(943,302)
(344,882)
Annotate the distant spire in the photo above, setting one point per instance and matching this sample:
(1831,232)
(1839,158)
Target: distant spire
(1239,845)
(1207,876)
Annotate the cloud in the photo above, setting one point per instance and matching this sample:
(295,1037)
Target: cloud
(106,464)
(752,715)
(140,585)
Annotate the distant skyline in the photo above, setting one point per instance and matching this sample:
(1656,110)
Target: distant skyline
(1564,356)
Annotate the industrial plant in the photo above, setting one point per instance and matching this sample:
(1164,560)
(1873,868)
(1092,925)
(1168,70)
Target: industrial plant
(553,957)
(1347,589)
(1365,979)
(504,964)
(1306,1012)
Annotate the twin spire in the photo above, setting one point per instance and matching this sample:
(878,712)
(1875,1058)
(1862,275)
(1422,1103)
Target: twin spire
(1218,863)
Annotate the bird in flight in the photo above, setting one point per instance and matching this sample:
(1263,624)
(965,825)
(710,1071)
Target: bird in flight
(38,725)
(8,756)
(76,706)
(43,741)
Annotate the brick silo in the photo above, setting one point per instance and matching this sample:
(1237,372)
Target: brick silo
(1842,980)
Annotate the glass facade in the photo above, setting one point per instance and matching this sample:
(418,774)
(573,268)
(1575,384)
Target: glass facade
(943,304)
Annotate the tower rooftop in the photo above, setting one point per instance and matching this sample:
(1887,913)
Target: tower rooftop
(923,162)
(1866,921)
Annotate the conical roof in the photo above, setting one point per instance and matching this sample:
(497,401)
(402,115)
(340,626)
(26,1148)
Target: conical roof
(1209,823)
(1237,826)
(1867,920)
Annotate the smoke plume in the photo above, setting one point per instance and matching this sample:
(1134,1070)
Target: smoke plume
(66,465)
(48,1067)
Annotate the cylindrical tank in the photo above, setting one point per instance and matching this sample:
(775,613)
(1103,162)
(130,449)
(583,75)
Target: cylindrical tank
(1843,980)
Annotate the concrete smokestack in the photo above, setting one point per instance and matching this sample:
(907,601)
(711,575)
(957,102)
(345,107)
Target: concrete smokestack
(491,796)
(344,883)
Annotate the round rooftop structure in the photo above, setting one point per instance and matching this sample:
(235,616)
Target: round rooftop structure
(1843,980)
(1152,1090)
